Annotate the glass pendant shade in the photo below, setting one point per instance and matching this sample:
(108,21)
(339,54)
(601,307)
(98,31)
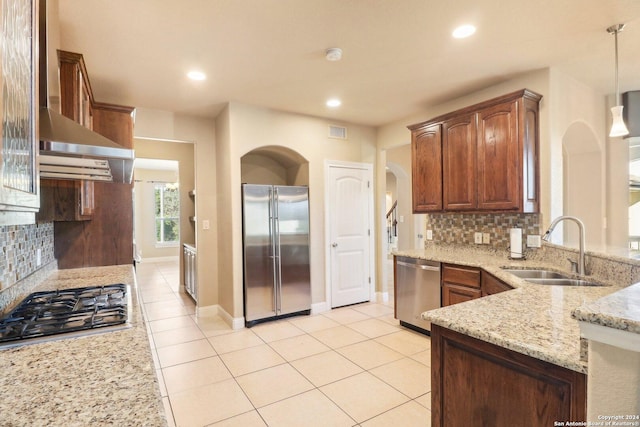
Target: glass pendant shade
(618,128)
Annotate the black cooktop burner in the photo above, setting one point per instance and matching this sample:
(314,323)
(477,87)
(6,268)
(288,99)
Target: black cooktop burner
(47,313)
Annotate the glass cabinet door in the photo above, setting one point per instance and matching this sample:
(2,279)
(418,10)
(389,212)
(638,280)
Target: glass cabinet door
(19,187)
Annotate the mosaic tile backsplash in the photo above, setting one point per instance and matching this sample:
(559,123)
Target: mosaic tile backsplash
(459,228)
(20,244)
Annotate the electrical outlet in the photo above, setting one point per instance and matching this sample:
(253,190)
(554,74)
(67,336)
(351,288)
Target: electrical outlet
(477,238)
(486,238)
(400,218)
(429,234)
(533,241)
(205,224)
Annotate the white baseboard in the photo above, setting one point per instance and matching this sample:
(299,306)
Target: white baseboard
(320,307)
(161,259)
(207,311)
(234,322)
(216,310)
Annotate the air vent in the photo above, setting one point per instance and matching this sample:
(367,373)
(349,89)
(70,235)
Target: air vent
(337,132)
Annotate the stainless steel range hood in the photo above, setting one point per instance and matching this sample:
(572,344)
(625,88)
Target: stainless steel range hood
(71,151)
(68,150)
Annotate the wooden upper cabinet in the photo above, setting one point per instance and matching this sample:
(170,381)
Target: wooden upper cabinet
(76,96)
(498,157)
(426,169)
(459,163)
(114,122)
(489,154)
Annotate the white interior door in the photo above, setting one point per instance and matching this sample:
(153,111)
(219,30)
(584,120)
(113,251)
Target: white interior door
(350,228)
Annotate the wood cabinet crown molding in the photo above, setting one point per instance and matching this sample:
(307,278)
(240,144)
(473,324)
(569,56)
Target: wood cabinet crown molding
(481,158)
(523,93)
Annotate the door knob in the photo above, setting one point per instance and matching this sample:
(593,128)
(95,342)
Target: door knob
(334,245)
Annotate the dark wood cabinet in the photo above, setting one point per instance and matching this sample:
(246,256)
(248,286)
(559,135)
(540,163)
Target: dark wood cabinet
(460,284)
(93,221)
(426,169)
(490,284)
(489,157)
(76,96)
(63,200)
(498,154)
(478,383)
(459,166)
(454,294)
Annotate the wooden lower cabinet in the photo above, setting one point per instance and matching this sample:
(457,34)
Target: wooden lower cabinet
(454,294)
(460,284)
(475,383)
(492,285)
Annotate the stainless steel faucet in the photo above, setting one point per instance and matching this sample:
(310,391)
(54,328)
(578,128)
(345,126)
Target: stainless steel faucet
(555,222)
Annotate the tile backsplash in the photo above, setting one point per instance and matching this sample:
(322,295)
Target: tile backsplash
(20,244)
(459,228)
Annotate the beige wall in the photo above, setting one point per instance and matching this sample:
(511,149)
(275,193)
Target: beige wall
(258,169)
(144,209)
(202,133)
(612,383)
(252,127)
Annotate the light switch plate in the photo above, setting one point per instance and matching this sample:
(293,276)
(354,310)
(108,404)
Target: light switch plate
(429,234)
(534,241)
(477,238)
(205,224)
(486,238)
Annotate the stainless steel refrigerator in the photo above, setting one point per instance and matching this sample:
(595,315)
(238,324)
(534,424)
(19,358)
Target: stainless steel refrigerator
(275,234)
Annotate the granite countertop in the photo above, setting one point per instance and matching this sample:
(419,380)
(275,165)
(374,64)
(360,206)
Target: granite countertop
(620,310)
(535,320)
(105,379)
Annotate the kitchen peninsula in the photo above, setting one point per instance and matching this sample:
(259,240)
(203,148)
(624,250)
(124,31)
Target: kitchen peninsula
(526,335)
(97,380)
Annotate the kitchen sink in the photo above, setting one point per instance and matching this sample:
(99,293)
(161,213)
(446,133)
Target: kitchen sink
(535,274)
(564,282)
(548,277)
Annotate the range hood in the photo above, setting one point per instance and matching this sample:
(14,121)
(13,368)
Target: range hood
(71,151)
(68,150)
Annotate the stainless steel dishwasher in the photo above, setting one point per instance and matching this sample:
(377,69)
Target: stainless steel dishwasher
(417,290)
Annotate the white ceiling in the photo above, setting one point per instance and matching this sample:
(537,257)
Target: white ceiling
(398,57)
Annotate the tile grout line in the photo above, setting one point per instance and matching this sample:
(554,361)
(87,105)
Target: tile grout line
(159,369)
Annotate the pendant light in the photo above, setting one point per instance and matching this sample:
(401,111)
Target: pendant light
(618,128)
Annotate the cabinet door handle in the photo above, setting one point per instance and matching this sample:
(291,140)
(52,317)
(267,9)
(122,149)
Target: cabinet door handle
(334,245)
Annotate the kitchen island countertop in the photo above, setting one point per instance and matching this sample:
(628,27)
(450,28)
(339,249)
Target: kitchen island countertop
(535,320)
(106,379)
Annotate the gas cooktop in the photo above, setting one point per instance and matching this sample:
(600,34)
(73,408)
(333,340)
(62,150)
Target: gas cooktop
(49,315)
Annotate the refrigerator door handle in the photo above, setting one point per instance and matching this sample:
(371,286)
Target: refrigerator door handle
(273,248)
(278,267)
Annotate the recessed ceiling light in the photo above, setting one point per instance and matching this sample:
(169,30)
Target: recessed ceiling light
(196,75)
(333,54)
(333,103)
(463,31)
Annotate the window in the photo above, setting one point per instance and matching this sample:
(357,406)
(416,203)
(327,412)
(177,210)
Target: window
(167,214)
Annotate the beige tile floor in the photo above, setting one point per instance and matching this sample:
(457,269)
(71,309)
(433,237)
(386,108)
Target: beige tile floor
(351,366)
